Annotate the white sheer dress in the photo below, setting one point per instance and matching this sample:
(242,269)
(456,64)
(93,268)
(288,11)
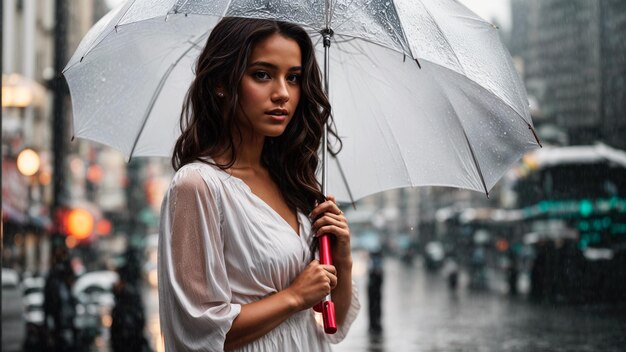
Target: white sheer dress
(220,246)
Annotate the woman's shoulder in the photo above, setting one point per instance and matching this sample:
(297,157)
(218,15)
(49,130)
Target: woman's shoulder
(197,175)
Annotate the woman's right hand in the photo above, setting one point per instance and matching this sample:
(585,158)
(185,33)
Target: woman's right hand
(313,284)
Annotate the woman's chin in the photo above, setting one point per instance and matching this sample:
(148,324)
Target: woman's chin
(276,131)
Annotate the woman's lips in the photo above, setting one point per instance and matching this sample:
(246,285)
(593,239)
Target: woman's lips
(278,115)
(277,118)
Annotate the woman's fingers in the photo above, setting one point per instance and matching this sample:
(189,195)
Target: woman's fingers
(330,219)
(332,230)
(331,275)
(329,206)
(329,268)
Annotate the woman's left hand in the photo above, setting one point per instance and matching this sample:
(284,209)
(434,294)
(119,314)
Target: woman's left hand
(329,219)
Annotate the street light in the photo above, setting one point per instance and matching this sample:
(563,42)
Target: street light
(28,162)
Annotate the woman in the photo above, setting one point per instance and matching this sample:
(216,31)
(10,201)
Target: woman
(236,270)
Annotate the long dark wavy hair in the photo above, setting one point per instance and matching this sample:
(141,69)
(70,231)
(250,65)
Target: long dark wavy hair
(207,122)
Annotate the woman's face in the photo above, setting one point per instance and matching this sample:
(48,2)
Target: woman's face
(269,91)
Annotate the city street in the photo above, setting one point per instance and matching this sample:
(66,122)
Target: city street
(421,314)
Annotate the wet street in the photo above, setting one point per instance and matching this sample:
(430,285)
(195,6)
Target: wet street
(420,313)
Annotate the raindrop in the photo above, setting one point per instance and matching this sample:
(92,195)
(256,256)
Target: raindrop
(103,79)
(505,133)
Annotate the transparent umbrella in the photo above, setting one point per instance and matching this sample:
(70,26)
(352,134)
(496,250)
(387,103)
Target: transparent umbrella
(423,92)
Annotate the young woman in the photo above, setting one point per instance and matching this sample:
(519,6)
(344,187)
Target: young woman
(236,268)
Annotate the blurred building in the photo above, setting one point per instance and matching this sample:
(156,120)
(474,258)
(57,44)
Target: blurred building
(28,29)
(613,49)
(573,56)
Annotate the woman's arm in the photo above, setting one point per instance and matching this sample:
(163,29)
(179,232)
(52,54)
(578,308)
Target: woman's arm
(258,318)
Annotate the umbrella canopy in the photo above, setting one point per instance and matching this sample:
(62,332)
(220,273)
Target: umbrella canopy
(423,92)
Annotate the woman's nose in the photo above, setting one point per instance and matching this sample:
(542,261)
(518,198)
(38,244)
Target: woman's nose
(281,92)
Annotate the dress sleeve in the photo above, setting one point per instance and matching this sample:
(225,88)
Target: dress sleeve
(194,292)
(353,311)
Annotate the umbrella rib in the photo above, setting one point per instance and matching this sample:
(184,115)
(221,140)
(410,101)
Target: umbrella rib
(332,14)
(181,5)
(404,37)
(230,2)
(157,91)
(354,37)
(102,36)
(445,38)
(345,181)
(480,173)
(125,12)
(530,127)
(508,106)
(469,145)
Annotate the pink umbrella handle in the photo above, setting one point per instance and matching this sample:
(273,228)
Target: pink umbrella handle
(326,307)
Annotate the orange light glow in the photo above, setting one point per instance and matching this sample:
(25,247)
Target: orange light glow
(103,227)
(94,173)
(80,223)
(502,245)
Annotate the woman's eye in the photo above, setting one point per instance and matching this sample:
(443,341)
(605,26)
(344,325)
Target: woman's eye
(261,75)
(293,78)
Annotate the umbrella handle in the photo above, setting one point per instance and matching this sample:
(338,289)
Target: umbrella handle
(326,306)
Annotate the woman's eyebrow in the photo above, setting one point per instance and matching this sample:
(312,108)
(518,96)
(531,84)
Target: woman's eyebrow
(272,66)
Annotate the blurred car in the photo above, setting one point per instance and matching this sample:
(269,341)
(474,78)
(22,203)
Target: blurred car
(96,286)
(13,327)
(33,308)
(32,285)
(94,293)
(33,298)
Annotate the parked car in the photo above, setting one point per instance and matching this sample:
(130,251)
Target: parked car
(13,327)
(33,308)
(33,284)
(33,298)
(94,293)
(96,286)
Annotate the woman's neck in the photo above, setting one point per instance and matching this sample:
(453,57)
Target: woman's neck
(249,149)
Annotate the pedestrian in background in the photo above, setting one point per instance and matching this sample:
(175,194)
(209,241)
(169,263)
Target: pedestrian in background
(375,290)
(128,317)
(236,268)
(59,303)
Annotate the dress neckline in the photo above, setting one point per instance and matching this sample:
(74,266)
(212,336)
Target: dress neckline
(260,200)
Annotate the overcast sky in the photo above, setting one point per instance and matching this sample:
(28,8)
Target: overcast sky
(487,9)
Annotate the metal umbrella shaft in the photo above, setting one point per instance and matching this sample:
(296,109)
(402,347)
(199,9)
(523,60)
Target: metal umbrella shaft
(327,307)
